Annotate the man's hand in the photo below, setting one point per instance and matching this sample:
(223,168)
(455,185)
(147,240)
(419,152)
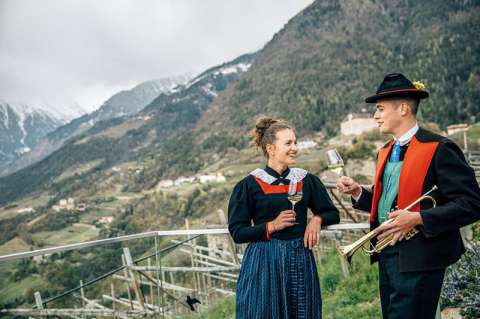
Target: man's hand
(347,185)
(312,232)
(404,221)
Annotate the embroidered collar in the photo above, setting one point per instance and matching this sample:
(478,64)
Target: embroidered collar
(275,174)
(270,176)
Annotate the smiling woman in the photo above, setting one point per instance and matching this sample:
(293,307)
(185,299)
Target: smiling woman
(278,278)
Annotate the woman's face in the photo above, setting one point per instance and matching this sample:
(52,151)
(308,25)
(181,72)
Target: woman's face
(284,151)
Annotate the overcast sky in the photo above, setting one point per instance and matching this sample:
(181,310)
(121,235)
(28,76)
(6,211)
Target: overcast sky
(61,51)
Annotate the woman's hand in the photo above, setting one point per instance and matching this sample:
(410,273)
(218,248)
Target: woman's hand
(312,232)
(285,219)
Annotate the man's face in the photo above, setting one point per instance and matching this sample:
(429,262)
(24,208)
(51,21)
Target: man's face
(388,116)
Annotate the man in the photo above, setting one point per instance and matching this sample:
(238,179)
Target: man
(411,271)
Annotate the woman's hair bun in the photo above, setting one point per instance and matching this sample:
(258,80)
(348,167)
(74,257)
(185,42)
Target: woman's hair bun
(265,131)
(261,127)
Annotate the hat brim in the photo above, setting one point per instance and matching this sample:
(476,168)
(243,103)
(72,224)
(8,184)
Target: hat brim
(412,93)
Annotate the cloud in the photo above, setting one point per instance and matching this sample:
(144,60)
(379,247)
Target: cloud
(86,50)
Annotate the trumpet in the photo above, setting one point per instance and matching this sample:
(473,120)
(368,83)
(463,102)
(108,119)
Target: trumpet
(348,250)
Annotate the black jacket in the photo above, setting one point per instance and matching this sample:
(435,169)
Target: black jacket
(439,243)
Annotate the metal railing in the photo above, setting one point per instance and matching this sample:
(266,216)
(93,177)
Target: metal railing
(160,233)
(209,276)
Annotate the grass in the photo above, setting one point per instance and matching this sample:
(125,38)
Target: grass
(36,200)
(224,309)
(94,214)
(354,297)
(13,290)
(70,235)
(15,245)
(473,138)
(77,169)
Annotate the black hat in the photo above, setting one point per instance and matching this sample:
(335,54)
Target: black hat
(397,85)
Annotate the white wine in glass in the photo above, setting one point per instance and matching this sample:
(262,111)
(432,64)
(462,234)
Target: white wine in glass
(294,198)
(335,162)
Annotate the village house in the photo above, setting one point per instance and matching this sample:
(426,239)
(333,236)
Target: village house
(455,128)
(306,144)
(106,220)
(202,179)
(26,210)
(218,178)
(357,123)
(69,204)
(182,180)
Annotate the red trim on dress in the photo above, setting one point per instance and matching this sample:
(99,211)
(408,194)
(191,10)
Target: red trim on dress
(276,189)
(268,232)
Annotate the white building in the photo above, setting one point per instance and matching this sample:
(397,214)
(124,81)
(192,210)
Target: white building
(218,178)
(70,204)
(306,144)
(64,204)
(182,180)
(357,123)
(106,220)
(455,128)
(26,210)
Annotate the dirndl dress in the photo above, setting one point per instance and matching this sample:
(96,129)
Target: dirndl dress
(278,280)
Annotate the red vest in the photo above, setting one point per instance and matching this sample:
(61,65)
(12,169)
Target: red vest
(415,166)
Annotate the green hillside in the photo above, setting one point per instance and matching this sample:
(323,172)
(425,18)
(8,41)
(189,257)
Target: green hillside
(328,58)
(332,55)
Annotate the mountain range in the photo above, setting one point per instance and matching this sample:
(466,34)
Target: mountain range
(22,127)
(123,103)
(137,137)
(319,67)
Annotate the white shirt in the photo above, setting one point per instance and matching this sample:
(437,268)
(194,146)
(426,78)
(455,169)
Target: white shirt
(403,140)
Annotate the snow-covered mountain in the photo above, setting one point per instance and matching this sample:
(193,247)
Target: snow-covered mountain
(22,127)
(123,103)
(164,130)
(130,102)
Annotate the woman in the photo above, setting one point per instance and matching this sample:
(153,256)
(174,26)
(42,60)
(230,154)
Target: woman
(278,278)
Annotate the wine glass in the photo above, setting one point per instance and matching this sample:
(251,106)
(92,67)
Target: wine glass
(335,162)
(294,196)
